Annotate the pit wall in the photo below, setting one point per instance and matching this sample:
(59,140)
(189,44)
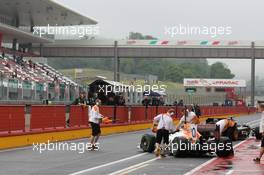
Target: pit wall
(25,125)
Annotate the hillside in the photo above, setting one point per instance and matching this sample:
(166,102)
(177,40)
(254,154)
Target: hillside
(174,70)
(86,76)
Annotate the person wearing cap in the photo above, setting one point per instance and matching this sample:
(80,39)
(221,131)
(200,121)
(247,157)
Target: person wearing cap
(165,126)
(95,119)
(261,130)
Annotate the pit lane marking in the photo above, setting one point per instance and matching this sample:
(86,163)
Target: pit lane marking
(132,168)
(209,161)
(108,164)
(229,172)
(254,122)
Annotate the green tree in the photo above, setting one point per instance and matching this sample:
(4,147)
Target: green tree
(166,69)
(140,36)
(219,70)
(174,73)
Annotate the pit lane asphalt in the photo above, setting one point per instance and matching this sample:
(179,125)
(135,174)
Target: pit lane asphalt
(117,152)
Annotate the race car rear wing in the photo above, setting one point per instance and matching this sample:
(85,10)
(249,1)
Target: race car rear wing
(213,120)
(205,129)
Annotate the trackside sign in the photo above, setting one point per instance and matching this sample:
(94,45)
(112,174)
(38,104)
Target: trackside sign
(214,83)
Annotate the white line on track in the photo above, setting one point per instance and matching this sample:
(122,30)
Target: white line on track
(133,167)
(200,166)
(209,161)
(108,164)
(253,122)
(230,172)
(131,170)
(240,143)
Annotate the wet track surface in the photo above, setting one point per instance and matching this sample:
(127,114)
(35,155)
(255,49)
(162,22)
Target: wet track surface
(240,163)
(117,155)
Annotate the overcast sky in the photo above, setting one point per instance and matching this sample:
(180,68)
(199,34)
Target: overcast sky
(117,18)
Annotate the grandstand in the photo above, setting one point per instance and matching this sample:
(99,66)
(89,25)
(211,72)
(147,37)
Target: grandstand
(28,80)
(22,79)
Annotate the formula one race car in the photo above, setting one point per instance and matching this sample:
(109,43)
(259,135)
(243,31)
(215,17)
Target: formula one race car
(232,130)
(192,139)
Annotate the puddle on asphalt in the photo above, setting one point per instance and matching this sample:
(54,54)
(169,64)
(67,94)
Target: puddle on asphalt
(222,167)
(226,164)
(253,147)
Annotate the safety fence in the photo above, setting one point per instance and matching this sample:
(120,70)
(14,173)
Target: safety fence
(31,118)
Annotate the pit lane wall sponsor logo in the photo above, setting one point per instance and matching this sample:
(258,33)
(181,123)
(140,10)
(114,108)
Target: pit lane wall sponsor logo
(80,147)
(204,147)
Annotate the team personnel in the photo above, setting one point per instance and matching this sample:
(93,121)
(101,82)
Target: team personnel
(188,117)
(165,125)
(226,125)
(261,130)
(197,110)
(81,100)
(95,118)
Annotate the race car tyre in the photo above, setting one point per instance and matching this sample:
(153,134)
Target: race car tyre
(176,143)
(148,143)
(224,147)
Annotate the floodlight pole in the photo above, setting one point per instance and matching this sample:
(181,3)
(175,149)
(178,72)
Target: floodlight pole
(252,98)
(41,50)
(116,63)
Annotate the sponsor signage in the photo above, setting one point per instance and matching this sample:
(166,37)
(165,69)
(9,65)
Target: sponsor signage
(214,83)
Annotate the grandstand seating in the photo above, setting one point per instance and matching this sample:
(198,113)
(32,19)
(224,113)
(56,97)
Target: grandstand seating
(19,70)
(37,72)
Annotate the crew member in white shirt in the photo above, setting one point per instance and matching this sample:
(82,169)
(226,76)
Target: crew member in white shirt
(261,130)
(94,118)
(226,125)
(165,126)
(190,118)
